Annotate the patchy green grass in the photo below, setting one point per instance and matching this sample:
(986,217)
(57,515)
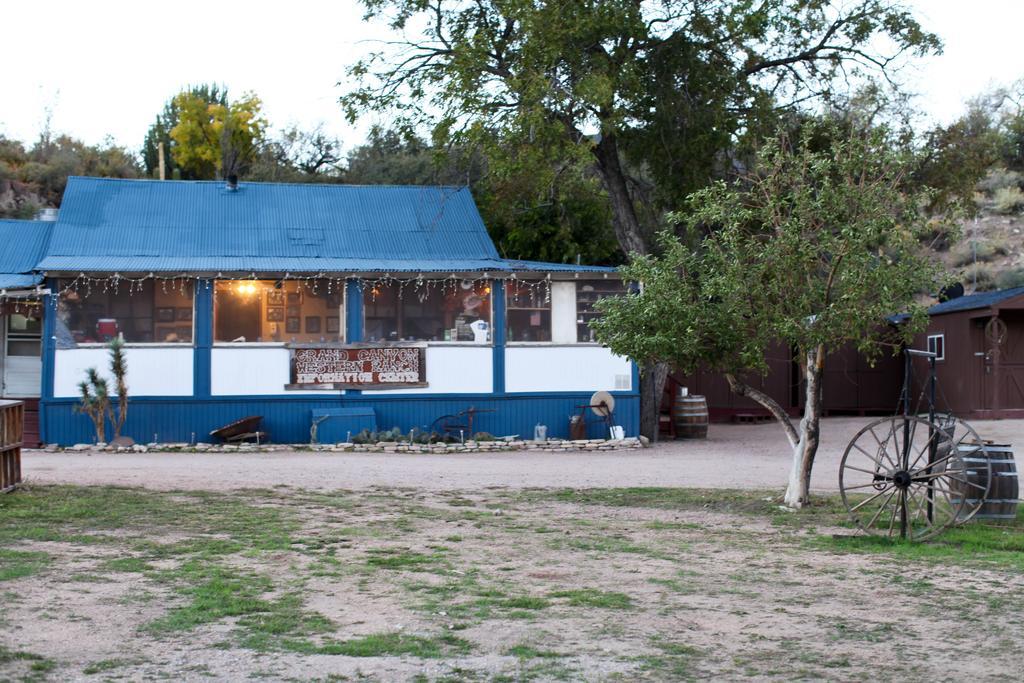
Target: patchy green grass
(530,652)
(592,597)
(390,558)
(285,571)
(105,665)
(975,543)
(384,645)
(33,667)
(16,564)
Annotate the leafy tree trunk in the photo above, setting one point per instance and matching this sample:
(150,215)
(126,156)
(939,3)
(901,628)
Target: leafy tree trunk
(631,239)
(652,384)
(741,388)
(798,490)
(624,218)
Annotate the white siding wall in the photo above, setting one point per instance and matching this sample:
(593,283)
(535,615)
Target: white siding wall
(565,368)
(156,371)
(22,375)
(249,370)
(563,312)
(454,370)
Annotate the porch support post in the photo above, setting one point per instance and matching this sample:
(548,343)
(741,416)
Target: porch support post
(202,339)
(353,318)
(498,335)
(49,346)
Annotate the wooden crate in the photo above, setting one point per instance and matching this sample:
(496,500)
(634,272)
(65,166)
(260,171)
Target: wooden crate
(12,418)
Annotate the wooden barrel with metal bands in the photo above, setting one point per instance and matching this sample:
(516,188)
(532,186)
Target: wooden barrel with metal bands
(690,417)
(1003,487)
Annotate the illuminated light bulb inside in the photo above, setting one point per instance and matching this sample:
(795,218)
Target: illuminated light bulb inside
(246,288)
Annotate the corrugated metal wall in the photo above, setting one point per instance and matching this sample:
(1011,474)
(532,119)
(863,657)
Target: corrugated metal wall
(287,419)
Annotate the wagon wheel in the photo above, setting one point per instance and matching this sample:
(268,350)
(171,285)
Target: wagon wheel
(447,425)
(908,477)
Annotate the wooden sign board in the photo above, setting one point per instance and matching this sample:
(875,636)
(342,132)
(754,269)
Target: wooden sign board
(359,367)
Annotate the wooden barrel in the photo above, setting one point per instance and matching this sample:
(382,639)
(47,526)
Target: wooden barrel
(690,417)
(1003,486)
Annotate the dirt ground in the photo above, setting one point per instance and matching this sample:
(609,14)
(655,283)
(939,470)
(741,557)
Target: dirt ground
(733,456)
(395,585)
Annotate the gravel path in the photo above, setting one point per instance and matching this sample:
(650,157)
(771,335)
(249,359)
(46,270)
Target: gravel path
(733,456)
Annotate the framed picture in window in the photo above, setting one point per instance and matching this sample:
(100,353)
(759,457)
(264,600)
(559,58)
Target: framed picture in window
(165,315)
(312,324)
(275,314)
(294,298)
(293,325)
(333,323)
(184,314)
(275,297)
(294,311)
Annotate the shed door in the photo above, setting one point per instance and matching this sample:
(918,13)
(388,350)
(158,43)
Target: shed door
(20,363)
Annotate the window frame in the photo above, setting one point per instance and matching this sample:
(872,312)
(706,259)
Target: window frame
(191,344)
(438,342)
(550,311)
(941,337)
(283,343)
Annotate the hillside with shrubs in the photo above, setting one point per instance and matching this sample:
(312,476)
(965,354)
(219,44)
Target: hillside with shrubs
(990,253)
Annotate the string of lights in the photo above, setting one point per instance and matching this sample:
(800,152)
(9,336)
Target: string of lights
(421,285)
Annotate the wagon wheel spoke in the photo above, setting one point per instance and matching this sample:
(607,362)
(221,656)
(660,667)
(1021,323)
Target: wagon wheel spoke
(868,500)
(873,459)
(884,448)
(882,507)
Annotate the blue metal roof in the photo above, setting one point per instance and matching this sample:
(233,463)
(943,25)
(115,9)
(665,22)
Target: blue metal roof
(115,225)
(23,244)
(975,301)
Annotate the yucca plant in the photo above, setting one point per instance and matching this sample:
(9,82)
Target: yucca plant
(119,369)
(94,401)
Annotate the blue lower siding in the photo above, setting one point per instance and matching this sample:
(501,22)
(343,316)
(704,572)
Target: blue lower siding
(287,418)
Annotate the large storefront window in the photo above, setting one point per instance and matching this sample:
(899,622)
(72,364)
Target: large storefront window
(528,313)
(588,294)
(430,313)
(153,312)
(278,311)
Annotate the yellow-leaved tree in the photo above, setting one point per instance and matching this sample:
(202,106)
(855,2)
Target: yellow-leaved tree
(213,139)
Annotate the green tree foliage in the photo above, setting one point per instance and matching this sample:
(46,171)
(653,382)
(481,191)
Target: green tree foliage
(656,97)
(36,176)
(537,208)
(298,156)
(160,132)
(814,249)
(217,140)
(667,85)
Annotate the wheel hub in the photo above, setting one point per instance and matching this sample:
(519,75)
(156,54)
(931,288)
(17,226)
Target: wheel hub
(902,479)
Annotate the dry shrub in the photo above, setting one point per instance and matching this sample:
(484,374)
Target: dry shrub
(999,179)
(981,275)
(981,251)
(1010,278)
(1008,200)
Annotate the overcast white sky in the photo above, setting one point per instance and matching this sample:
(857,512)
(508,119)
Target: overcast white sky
(107,67)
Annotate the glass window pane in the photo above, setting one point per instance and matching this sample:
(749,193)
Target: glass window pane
(23,347)
(432,312)
(155,311)
(589,293)
(18,323)
(278,311)
(527,312)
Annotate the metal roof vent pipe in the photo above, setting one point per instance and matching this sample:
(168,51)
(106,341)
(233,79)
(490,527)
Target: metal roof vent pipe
(232,185)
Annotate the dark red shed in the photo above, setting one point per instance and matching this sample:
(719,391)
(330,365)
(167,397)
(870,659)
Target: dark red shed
(980,342)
